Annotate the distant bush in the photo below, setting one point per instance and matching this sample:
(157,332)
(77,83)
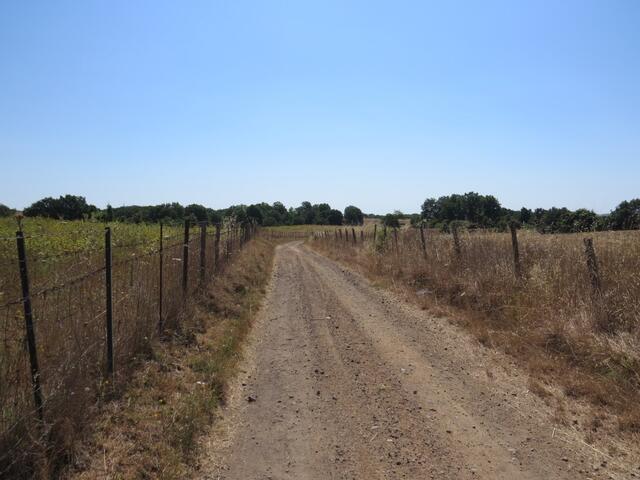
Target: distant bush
(391,220)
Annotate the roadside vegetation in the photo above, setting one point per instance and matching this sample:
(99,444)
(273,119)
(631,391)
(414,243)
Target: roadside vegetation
(152,300)
(152,430)
(549,319)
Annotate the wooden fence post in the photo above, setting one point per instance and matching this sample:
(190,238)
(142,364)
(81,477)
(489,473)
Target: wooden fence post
(395,240)
(592,266)
(456,239)
(353,232)
(375,231)
(109,298)
(203,251)
(216,251)
(30,330)
(185,261)
(424,242)
(161,281)
(516,252)
(361,236)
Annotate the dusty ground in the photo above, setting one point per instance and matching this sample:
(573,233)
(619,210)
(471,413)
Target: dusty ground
(344,381)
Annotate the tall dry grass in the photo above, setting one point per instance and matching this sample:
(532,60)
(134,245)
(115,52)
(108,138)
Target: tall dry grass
(549,319)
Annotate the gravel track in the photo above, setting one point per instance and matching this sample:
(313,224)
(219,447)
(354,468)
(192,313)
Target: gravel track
(341,380)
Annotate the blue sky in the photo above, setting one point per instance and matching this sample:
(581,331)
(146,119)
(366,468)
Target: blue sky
(374,103)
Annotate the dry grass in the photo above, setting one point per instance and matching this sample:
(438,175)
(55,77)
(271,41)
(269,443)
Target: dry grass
(548,321)
(66,267)
(152,430)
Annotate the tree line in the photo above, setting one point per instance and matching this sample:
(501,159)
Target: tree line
(471,210)
(484,211)
(73,207)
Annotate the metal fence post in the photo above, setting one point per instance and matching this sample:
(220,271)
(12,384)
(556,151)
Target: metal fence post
(109,298)
(516,252)
(28,319)
(203,250)
(161,281)
(185,260)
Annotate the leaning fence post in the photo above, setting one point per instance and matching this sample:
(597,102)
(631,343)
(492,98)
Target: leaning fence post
(185,260)
(203,251)
(516,252)
(28,319)
(160,283)
(424,242)
(109,298)
(592,266)
(216,251)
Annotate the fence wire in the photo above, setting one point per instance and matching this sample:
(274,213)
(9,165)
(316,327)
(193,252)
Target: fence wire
(68,299)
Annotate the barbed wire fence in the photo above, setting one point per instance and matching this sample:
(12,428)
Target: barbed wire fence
(71,323)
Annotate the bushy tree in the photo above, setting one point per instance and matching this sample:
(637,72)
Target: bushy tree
(625,216)
(482,210)
(6,211)
(353,216)
(196,211)
(391,220)
(335,217)
(67,207)
(254,213)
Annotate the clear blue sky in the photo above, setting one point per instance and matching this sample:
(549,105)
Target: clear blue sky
(374,103)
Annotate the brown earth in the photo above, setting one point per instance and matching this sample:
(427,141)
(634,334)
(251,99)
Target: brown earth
(345,381)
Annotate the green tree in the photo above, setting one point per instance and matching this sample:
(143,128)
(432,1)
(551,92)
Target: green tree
(254,214)
(6,211)
(108,216)
(353,216)
(625,216)
(335,217)
(391,220)
(197,211)
(67,207)
(430,210)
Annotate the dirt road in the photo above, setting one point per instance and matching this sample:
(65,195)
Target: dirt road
(345,381)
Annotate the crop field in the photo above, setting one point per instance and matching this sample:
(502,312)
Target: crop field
(67,274)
